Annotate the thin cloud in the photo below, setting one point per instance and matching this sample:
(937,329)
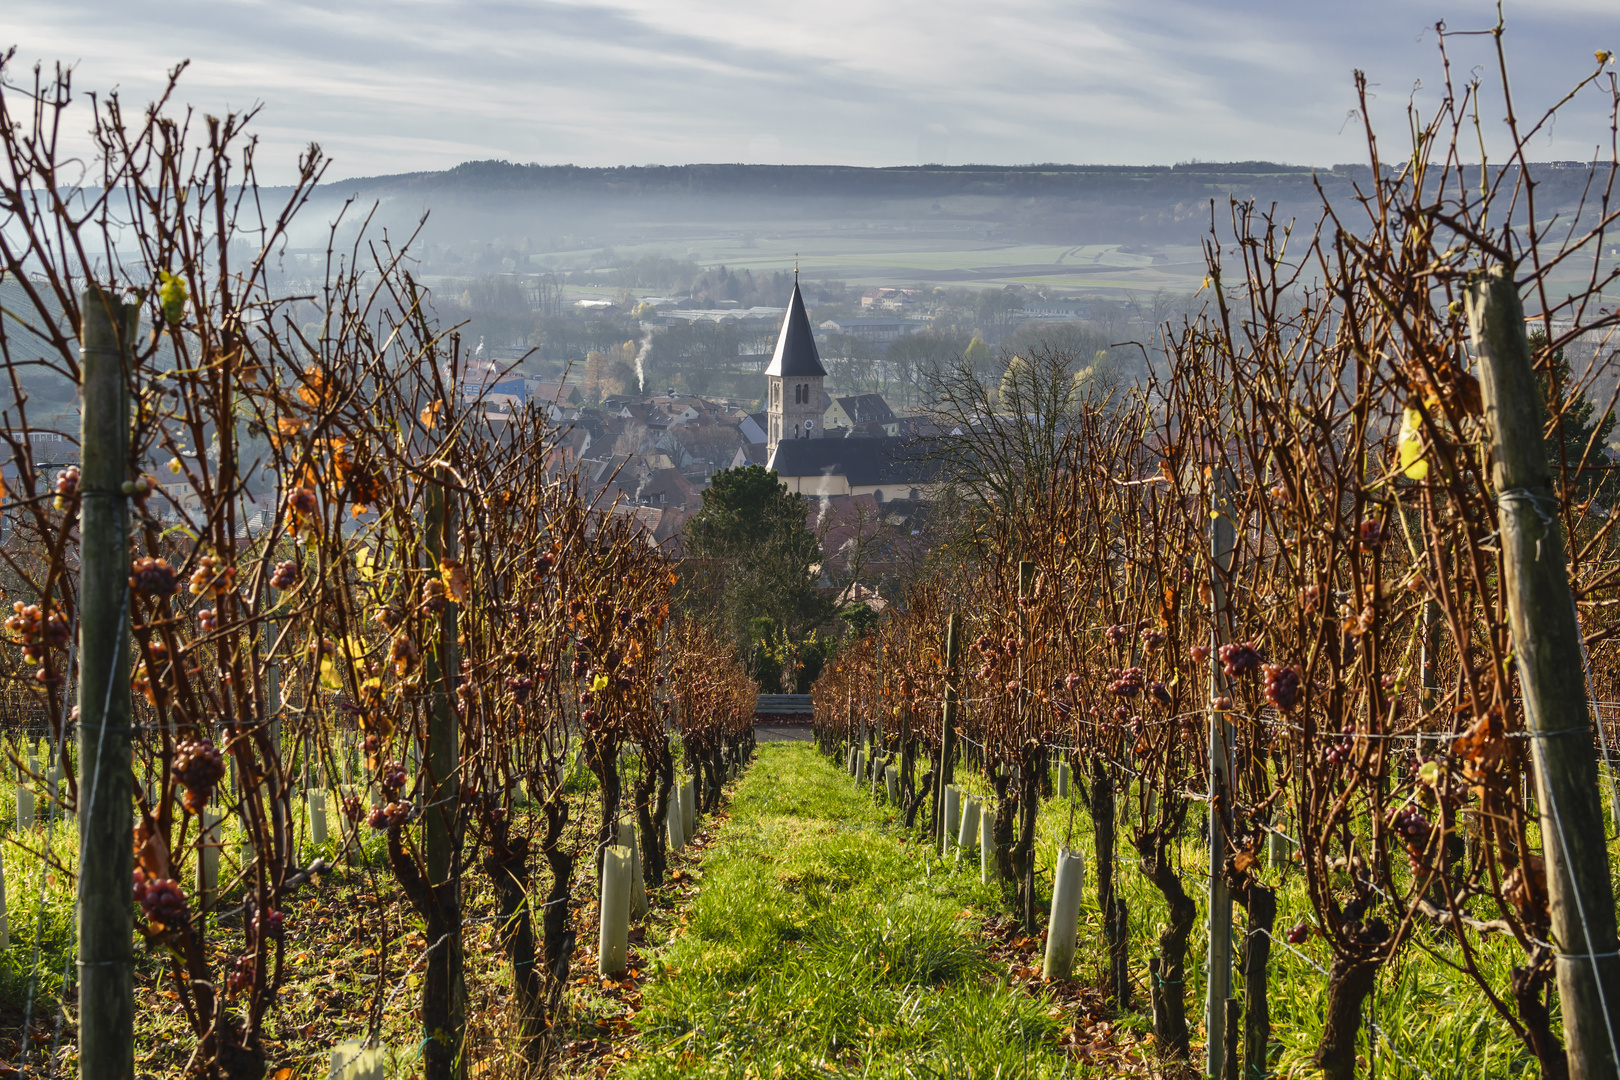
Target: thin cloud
(392,87)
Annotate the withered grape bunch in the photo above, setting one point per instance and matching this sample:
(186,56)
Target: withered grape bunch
(198,765)
(37,629)
(1370,534)
(272,925)
(240,976)
(1412,826)
(394,779)
(391,816)
(1126,682)
(154,577)
(1240,658)
(161,900)
(1282,685)
(302,504)
(519,686)
(404,655)
(213,576)
(67,487)
(1338,752)
(285,576)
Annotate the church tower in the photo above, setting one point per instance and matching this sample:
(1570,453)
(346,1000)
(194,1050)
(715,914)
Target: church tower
(793,381)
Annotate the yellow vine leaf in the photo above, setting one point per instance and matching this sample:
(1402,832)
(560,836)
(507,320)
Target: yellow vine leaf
(1410,446)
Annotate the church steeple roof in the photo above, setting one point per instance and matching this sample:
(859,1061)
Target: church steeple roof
(796,353)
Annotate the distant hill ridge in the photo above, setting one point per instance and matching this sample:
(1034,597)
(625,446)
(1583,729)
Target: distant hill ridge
(904,181)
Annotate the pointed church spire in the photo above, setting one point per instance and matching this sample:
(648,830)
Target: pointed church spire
(796,354)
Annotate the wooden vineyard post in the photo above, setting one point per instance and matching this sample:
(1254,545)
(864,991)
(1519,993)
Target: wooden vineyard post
(947,730)
(1547,648)
(106,830)
(987,846)
(1218,961)
(1029,795)
(443,992)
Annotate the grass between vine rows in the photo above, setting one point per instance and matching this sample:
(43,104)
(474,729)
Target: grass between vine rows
(827,941)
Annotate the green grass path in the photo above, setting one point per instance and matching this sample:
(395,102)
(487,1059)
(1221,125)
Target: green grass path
(820,946)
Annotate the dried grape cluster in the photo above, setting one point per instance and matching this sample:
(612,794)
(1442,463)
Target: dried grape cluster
(303,507)
(161,900)
(212,576)
(1126,682)
(391,816)
(67,487)
(198,765)
(394,779)
(38,629)
(519,686)
(1282,685)
(285,576)
(1412,825)
(1240,658)
(154,577)
(240,976)
(273,925)
(1338,751)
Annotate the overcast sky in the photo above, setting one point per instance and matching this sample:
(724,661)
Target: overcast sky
(405,85)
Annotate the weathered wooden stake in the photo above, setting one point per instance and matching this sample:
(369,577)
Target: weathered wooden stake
(106,826)
(1547,648)
(444,994)
(987,846)
(5,923)
(1222,540)
(947,731)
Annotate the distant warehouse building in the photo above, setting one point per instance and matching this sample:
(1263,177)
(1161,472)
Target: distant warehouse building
(873,329)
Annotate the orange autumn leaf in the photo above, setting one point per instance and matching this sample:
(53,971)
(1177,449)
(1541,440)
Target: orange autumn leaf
(455,579)
(287,427)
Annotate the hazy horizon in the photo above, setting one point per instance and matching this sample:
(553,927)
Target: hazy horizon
(390,89)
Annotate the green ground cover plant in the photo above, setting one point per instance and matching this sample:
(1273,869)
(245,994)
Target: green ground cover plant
(827,941)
